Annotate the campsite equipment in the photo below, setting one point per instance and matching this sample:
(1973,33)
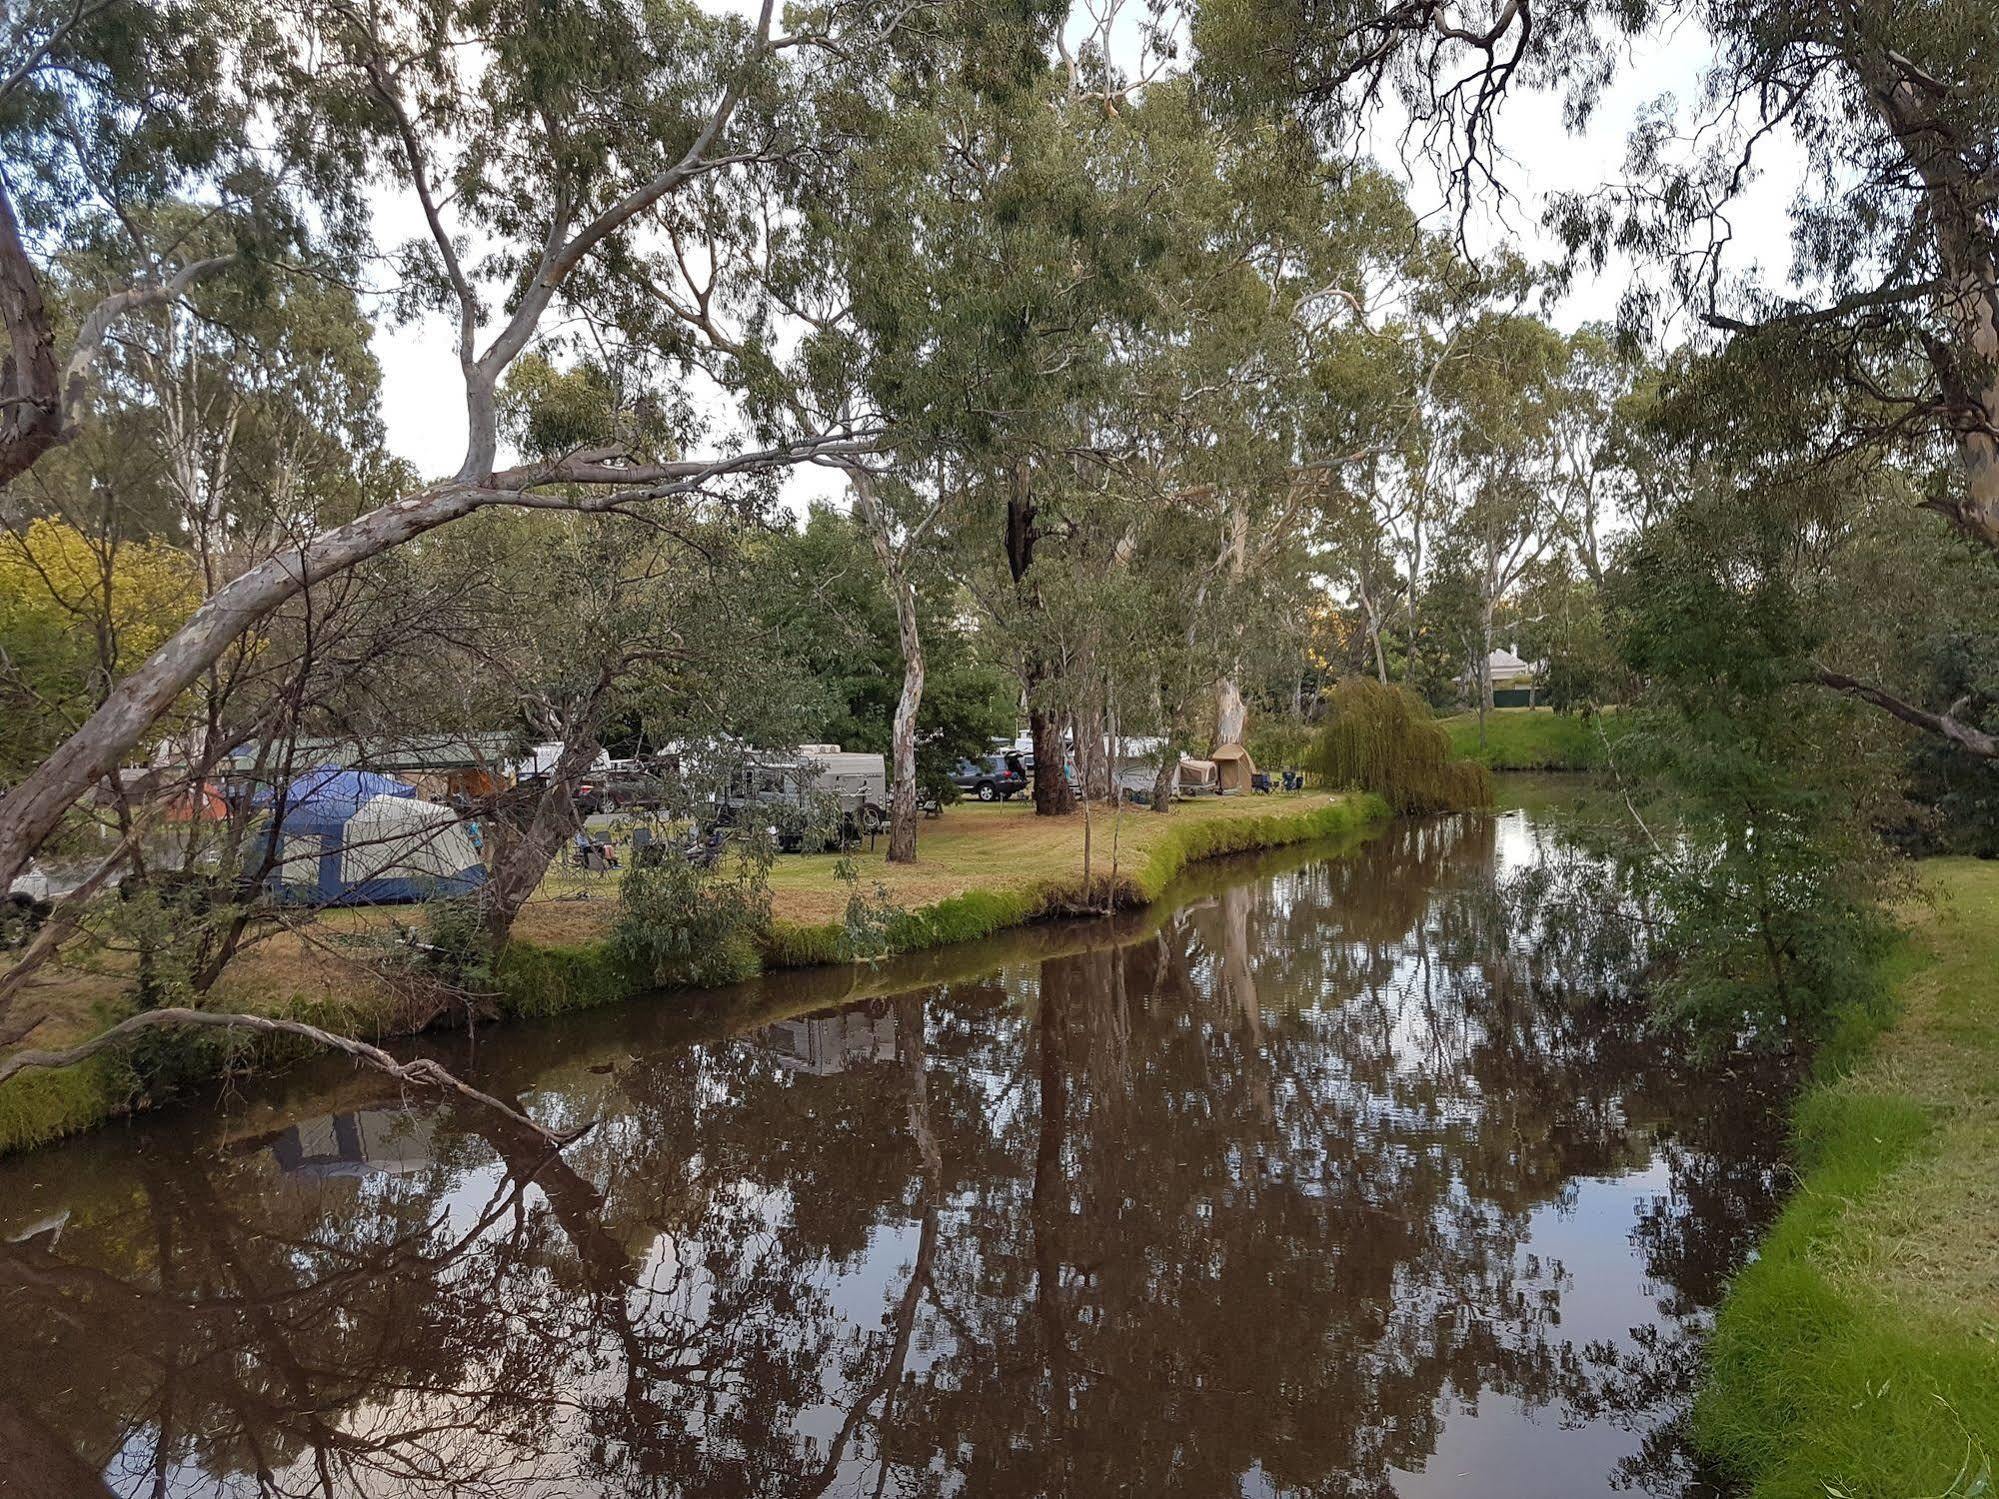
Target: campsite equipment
(200,803)
(343,840)
(1198,778)
(1233,768)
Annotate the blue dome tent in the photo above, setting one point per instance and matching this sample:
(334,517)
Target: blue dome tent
(351,837)
(329,793)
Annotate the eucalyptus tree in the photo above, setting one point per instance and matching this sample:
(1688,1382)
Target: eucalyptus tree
(567,147)
(1882,332)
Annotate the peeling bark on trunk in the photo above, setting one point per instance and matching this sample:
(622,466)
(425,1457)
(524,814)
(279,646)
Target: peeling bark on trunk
(1053,795)
(1958,212)
(30,398)
(903,808)
(1162,782)
(1231,712)
(1093,760)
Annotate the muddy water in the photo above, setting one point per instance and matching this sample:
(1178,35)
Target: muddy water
(1333,1175)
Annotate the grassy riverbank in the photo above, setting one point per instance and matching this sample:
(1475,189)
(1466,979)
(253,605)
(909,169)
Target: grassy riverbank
(1534,739)
(980,869)
(1858,1355)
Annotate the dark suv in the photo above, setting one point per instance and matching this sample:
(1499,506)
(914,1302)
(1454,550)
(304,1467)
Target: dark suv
(996,778)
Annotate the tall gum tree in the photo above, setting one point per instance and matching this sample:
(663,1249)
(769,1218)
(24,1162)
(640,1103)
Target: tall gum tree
(570,153)
(1891,299)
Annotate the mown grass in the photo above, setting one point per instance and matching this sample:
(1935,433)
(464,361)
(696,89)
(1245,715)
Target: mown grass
(1858,1355)
(1534,739)
(981,870)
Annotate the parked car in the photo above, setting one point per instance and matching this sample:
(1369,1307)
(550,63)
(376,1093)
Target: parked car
(996,778)
(628,785)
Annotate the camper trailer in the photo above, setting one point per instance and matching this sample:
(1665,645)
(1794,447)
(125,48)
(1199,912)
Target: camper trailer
(859,781)
(785,786)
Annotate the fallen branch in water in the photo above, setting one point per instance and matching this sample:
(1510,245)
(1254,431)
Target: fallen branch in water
(422,1072)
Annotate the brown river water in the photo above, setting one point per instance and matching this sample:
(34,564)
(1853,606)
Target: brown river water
(1333,1174)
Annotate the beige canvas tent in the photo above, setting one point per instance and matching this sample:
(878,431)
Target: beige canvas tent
(1233,767)
(1196,778)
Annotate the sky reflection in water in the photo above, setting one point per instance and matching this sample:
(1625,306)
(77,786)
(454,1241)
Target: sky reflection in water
(1335,1179)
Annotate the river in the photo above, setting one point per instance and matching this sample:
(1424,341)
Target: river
(1335,1173)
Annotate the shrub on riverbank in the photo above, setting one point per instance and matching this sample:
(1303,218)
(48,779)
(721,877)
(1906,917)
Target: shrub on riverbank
(1381,739)
(1859,1353)
(683,926)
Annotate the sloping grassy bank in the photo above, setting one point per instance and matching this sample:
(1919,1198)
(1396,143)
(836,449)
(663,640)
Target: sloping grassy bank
(1534,739)
(1000,869)
(1858,1355)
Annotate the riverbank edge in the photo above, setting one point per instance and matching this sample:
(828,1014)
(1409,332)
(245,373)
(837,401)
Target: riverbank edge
(1817,1380)
(539,982)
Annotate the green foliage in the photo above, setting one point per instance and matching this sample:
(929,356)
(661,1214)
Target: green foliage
(461,950)
(679,925)
(1959,670)
(39,1107)
(1769,889)
(870,918)
(830,617)
(1277,742)
(1383,740)
(75,609)
(537,983)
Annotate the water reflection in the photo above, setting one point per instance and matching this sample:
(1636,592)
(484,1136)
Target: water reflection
(1330,1182)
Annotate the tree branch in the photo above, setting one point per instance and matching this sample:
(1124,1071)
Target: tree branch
(423,1072)
(1976,741)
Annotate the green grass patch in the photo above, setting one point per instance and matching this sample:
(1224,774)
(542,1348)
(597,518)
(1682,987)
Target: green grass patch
(1535,739)
(1858,1355)
(38,1108)
(538,983)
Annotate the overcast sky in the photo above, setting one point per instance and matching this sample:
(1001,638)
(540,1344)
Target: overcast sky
(423,397)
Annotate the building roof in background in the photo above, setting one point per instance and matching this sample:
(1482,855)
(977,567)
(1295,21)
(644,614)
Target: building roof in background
(412,752)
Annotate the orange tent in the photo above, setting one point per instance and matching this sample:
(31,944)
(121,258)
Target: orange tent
(198,804)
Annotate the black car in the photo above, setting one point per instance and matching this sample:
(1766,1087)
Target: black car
(996,778)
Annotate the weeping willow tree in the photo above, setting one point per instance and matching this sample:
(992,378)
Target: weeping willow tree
(1382,739)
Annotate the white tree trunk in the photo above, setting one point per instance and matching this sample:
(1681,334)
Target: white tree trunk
(903,807)
(1231,712)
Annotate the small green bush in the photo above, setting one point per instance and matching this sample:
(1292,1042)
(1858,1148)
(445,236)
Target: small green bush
(681,926)
(1382,739)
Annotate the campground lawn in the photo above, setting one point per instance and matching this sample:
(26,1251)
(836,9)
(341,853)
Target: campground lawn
(1858,1355)
(1000,847)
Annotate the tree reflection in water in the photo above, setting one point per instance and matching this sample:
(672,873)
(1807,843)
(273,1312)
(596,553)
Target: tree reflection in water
(1331,1180)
